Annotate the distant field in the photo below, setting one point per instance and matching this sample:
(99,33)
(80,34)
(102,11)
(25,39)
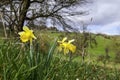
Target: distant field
(102,42)
(99,49)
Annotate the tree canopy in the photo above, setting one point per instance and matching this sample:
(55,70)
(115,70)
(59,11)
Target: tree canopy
(16,12)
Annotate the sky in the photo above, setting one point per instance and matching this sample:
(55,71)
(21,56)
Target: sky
(105,15)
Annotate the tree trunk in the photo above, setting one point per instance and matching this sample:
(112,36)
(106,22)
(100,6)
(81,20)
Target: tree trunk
(23,10)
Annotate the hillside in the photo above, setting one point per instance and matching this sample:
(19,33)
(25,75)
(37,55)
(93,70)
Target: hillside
(106,45)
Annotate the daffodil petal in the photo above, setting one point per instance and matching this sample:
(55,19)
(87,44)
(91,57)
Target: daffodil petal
(66,51)
(21,33)
(72,48)
(70,41)
(33,36)
(25,28)
(64,39)
(31,30)
(59,41)
(24,38)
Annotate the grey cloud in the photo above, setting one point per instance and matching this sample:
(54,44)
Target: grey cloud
(105,11)
(105,16)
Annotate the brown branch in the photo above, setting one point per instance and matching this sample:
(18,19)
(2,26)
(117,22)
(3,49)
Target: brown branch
(48,14)
(4,2)
(37,1)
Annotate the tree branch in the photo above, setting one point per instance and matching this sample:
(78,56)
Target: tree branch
(37,1)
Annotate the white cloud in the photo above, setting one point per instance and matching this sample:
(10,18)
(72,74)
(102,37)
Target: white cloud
(111,28)
(105,16)
(105,11)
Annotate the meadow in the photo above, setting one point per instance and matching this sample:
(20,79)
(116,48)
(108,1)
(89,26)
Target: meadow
(43,61)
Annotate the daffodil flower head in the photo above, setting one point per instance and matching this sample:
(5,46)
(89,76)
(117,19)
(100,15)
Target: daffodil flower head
(66,46)
(64,39)
(26,34)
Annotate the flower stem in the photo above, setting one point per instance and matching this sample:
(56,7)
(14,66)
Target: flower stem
(31,54)
(70,56)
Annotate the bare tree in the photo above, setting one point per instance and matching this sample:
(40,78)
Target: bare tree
(16,12)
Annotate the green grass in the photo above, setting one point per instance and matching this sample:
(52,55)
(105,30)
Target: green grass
(100,48)
(14,66)
(49,64)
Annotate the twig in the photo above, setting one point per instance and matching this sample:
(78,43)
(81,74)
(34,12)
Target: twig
(5,33)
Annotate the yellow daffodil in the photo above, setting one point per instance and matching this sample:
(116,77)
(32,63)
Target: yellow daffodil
(66,46)
(64,39)
(26,35)
(60,43)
